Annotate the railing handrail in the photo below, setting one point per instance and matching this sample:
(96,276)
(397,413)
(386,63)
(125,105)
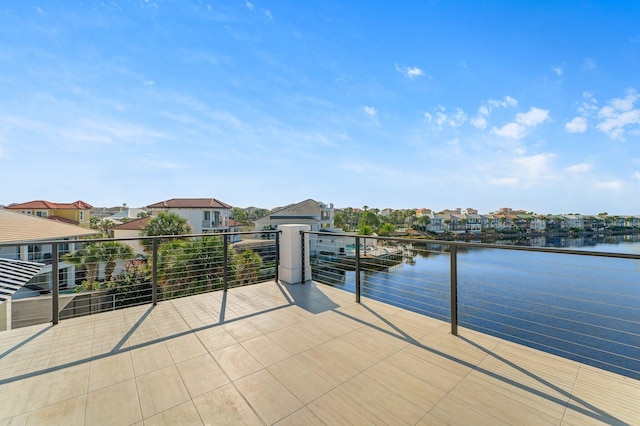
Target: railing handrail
(139,238)
(483,245)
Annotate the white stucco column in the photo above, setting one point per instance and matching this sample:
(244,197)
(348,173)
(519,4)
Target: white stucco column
(290,270)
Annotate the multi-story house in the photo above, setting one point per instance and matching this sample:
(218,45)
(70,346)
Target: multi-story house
(309,212)
(20,237)
(205,215)
(76,213)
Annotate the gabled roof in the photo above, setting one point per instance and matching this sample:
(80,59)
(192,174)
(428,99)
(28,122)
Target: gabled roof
(133,225)
(304,208)
(17,227)
(48,205)
(14,274)
(190,203)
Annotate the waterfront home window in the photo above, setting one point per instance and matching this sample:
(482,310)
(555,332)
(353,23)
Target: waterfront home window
(81,216)
(41,214)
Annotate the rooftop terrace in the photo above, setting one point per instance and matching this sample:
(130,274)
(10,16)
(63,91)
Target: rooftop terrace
(272,353)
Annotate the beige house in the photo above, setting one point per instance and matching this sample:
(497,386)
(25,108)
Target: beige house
(309,212)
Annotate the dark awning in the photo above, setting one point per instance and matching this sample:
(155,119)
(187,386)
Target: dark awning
(15,274)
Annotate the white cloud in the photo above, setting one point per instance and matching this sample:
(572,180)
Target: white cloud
(534,166)
(558,70)
(440,117)
(370,110)
(479,122)
(506,102)
(410,72)
(510,130)
(619,114)
(636,175)
(268,14)
(612,184)
(508,181)
(533,117)
(579,168)
(577,125)
(249,5)
(589,64)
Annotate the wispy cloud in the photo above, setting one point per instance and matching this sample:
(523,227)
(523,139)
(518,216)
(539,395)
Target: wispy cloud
(558,70)
(619,114)
(578,168)
(612,184)
(370,110)
(523,120)
(577,125)
(249,5)
(480,121)
(589,64)
(411,72)
(440,117)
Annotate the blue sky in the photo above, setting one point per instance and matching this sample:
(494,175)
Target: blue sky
(533,105)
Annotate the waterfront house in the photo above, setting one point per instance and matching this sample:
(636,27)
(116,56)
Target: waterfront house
(76,213)
(316,214)
(205,215)
(131,229)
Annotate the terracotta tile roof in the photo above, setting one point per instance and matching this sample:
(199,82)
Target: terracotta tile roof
(48,205)
(17,227)
(63,220)
(190,203)
(134,225)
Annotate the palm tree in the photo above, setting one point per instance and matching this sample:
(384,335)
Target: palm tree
(89,259)
(110,252)
(165,224)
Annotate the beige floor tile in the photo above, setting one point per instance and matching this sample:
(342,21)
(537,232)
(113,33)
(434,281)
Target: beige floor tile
(266,351)
(303,416)
(150,358)
(185,347)
(215,338)
(305,382)
(451,411)
(337,408)
(173,392)
(225,406)
(292,340)
(65,413)
(61,385)
(500,405)
(183,414)
(323,363)
(201,375)
(236,361)
(20,420)
(241,330)
(373,344)
(343,352)
(18,396)
(116,404)
(110,370)
(388,406)
(420,393)
(268,397)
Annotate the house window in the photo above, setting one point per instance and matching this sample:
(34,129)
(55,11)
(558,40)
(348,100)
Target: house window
(206,216)
(81,216)
(41,214)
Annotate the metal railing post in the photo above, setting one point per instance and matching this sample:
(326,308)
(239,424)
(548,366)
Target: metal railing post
(357,266)
(55,284)
(302,250)
(225,262)
(277,277)
(154,273)
(454,289)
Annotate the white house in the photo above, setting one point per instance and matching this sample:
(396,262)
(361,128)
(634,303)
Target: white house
(205,215)
(309,212)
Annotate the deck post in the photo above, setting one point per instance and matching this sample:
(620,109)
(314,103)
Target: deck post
(454,288)
(295,263)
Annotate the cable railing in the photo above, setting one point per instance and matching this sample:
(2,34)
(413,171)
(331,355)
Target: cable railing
(97,275)
(582,305)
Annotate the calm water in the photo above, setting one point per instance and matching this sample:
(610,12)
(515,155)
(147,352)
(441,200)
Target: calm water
(580,307)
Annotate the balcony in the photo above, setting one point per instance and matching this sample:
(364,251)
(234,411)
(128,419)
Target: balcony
(275,353)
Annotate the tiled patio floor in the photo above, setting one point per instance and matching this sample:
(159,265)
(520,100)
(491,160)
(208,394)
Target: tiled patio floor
(298,355)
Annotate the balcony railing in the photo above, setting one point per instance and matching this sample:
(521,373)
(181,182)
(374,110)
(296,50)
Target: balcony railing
(581,305)
(108,274)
